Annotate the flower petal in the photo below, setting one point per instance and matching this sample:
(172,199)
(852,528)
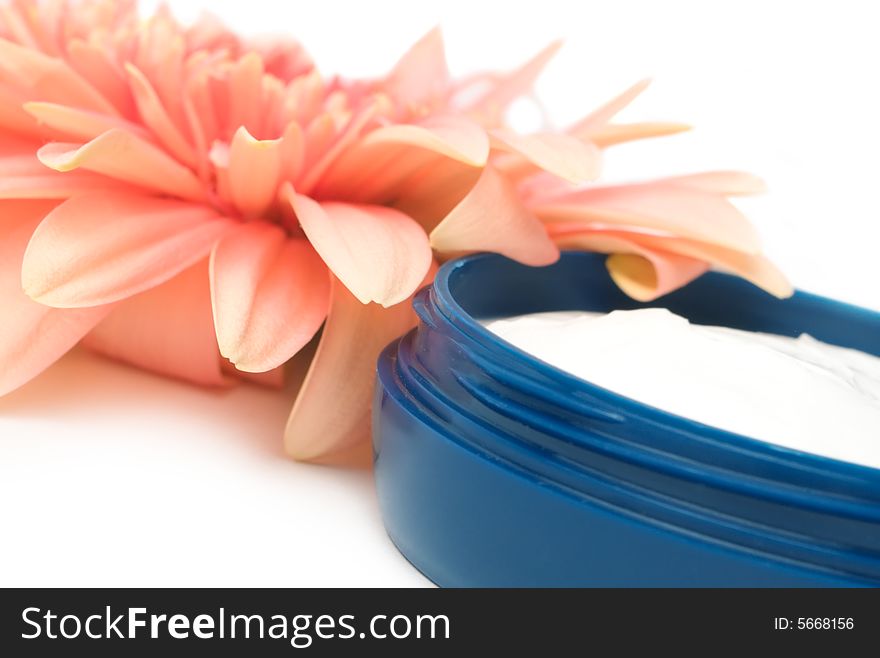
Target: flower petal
(270,294)
(126,157)
(22,176)
(99,248)
(332,411)
(491,218)
(755,268)
(78,123)
(728,183)
(455,137)
(599,118)
(677,209)
(49,78)
(156,118)
(32,336)
(168,330)
(641,272)
(421,74)
(379,253)
(562,155)
(490,106)
(254,170)
(618,133)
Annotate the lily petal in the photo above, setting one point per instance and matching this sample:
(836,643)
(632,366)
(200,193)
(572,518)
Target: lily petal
(99,248)
(124,156)
(379,253)
(168,329)
(491,218)
(332,411)
(32,336)
(270,295)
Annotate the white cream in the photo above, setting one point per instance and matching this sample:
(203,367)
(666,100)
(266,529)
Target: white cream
(795,392)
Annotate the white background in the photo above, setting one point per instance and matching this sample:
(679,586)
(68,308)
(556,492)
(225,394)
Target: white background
(109,476)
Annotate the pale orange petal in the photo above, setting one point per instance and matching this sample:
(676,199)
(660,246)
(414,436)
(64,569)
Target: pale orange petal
(666,207)
(599,118)
(98,248)
(618,133)
(168,329)
(77,123)
(452,136)
(728,183)
(332,411)
(254,169)
(154,115)
(491,218)
(270,294)
(32,336)
(379,253)
(421,74)
(22,176)
(562,155)
(755,268)
(126,157)
(641,272)
(489,107)
(49,78)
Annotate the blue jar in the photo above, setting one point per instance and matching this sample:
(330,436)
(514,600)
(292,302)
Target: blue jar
(494,468)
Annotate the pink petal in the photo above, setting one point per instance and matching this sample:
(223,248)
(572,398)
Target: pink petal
(379,253)
(126,157)
(728,183)
(421,74)
(49,78)
(168,329)
(680,210)
(562,155)
(455,137)
(755,268)
(22,176)
(99,248)
(270,294)
(254,170)
(332,411)
(342,141)
(78,123)
(491,218)
(489,107)
(245,80)
(612,134)
(401,161)
(598,119)
(97,64)
(32,336)
(641,272)
(156,118)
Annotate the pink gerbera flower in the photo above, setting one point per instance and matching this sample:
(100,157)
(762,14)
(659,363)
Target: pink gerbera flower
(201,206)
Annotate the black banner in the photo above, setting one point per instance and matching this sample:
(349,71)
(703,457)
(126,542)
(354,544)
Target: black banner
(432,622)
